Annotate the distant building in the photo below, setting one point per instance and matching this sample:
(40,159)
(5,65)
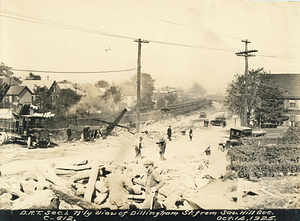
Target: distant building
(289,84)
(129,97)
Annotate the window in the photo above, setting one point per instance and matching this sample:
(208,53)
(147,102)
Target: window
(292,104)
(292,118)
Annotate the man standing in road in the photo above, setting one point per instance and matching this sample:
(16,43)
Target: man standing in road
(138,150)
(118,184)
(191,134)
(169,133)
(153,183)
(162,144)
(69,133)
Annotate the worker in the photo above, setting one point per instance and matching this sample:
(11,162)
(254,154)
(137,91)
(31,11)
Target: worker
(191,134)
(169,133)
(86,133)
(153,183)
(69,133)
(138,150)
(118,185)
(162,144)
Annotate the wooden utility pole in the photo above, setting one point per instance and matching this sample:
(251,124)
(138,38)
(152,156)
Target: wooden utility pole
(246,54)
(138,83)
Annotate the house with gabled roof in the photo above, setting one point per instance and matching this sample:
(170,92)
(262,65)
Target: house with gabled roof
(20,94)
(17,96)
(289,85)
(51,85)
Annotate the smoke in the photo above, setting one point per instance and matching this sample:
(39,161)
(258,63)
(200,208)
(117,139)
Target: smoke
(93,101)
(92,98)
(197,89)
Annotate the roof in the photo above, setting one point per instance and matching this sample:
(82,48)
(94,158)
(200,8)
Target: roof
(241,128)
(16,90)
(31,84)
(69,86)
(289,84)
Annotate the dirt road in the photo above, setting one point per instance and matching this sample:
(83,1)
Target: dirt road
(188,171)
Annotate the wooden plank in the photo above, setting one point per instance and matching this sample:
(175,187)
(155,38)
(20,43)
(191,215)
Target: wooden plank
(73,200)
(81,175)
(50,175)
(92,181)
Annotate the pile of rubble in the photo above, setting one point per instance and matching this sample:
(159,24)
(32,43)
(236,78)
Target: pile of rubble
(81,185)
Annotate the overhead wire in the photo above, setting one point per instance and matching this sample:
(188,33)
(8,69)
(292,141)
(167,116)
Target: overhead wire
(60,25)
(178,24)
(75,72)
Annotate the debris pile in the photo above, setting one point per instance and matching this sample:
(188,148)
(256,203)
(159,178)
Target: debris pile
(293,134)
(80,184)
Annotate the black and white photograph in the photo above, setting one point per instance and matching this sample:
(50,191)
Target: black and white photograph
(149,110)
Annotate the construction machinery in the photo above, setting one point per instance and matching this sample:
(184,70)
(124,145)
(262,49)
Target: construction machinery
(3,90)
(31,129)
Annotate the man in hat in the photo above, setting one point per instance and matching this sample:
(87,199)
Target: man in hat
(118,184)
(162,144)
(153,183)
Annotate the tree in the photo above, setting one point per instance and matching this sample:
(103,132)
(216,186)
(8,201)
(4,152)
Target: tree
(160,103)
(270,103)
(66,99)
(65,82)
(147,87)
(5,70)
(112,96)
(171,98)
(102,84)
(42,99)
(263,101)
(33,77)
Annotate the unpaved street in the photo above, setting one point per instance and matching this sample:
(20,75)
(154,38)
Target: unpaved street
(188,171)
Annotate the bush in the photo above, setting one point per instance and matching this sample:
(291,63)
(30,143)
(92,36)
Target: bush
(265,158)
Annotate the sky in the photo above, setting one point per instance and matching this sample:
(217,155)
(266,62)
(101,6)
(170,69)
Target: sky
(190,41)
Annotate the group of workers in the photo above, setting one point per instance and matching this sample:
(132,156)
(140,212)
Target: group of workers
(86,134)
(119,184)
(162,144)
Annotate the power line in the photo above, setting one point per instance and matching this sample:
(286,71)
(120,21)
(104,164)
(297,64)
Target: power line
(275,56)
(59,25)
(74,28)
(145,16)
(76,72)
(191,46)
(178,24)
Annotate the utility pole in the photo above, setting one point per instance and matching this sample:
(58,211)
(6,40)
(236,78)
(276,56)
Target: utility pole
(138,83)
(246,54)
